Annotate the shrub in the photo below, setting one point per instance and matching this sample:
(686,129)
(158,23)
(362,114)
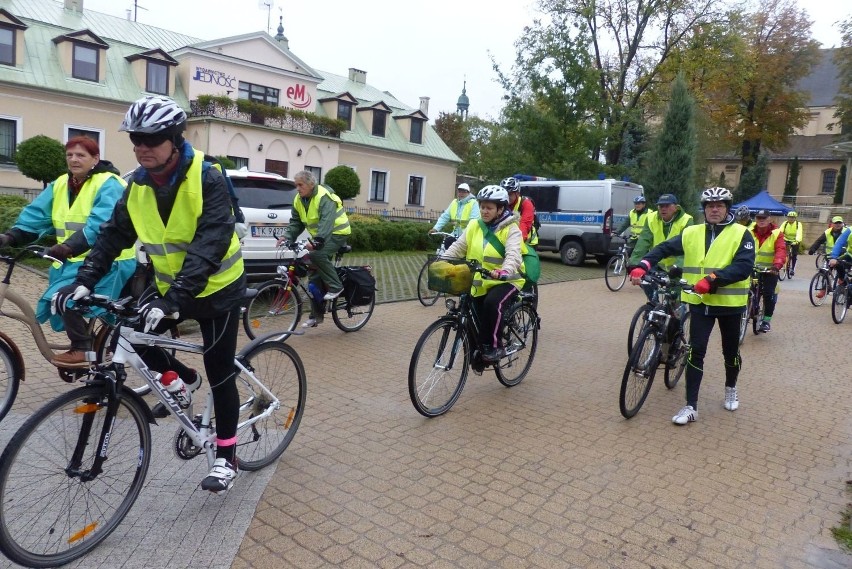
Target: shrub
(41,158)
(344,180)
(375,234)
(10,208)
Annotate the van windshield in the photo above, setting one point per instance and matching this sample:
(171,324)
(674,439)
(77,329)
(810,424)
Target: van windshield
(264,194)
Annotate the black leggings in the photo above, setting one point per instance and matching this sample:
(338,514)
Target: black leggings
(700,327)
(768,283)
(220,345)
(490,309)
(793,251)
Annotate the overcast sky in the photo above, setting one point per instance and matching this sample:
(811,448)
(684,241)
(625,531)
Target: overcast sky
(409,49)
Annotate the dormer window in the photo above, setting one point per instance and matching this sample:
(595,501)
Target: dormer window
(380,121)
(11,38)
(85,62)
(411,126)
(7,46)
(157,78)
(416,131)
(152,69)
(344,113)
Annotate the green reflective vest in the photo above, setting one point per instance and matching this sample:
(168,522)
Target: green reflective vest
(479,249)
(311,217)
(166,245)
(697,264)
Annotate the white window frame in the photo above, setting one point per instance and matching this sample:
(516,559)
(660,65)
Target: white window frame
(387,186)
(422,189)
(19,134)
(101,135)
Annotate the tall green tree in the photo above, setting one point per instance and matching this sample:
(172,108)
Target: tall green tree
(41,158)
(753,181)
(671,165)
(791,188)
(453,131)
(843,59)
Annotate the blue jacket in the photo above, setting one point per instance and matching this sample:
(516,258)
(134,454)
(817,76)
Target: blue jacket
(840,245)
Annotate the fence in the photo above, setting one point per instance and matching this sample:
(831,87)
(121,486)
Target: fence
(28,194)
(398,213)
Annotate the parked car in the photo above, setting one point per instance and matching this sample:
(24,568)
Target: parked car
(266,200)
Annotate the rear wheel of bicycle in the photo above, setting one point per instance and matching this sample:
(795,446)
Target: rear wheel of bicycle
(278,367)
(53,509)
(438,368)
(351,318)
(520,340)
(9,379)
(757,313)
(679,351)
(424,295)
(616,273)
(818,289)
(639,372)
(839,303)
(744,318)
(819,259)
(636,323)
(273,309)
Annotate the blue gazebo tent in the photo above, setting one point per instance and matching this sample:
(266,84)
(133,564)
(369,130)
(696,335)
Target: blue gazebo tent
(764,201)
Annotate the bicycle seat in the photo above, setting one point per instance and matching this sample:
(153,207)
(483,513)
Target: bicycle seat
(345,249)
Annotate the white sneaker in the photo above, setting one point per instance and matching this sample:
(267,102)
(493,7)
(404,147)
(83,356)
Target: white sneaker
(311,323)
(221,476)
(332,295)
(685,415)
(731,399)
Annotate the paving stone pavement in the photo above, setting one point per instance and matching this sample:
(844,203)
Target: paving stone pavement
(545,474)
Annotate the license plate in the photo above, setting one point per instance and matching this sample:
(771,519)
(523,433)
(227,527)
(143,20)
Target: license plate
(267,230)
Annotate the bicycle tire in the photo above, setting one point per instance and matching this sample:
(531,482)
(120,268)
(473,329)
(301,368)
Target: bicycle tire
(840,303)
(424,295)
(442,350)
(273,309)
(758,312)
(818,283)
(10,379)
(639,372)
(640,313)
(351,318)
(38,494)
(746,316)
(615,274)
(280,369)
(819,259)
(675,366)
(520,339)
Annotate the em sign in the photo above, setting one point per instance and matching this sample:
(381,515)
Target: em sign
(298,97)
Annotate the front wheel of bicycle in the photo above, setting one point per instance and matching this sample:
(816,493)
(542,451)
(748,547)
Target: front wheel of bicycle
(639,372)
(10,378)
(819,260)
(438,368)
(840,303)
(278,375)
(678,352)
(616,273)
(273,309)
(53,508)
(350,318)
(520,340)
(424,295)
(818,289)
(637,320)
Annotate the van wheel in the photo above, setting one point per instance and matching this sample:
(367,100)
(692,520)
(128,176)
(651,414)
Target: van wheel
(572,253)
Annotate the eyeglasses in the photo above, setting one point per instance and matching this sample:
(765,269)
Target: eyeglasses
(149,140)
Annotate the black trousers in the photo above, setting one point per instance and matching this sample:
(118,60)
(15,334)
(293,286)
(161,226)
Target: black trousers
(768,284)
(700,327)
(490,309)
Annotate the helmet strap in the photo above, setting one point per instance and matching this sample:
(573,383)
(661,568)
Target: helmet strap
(169,163)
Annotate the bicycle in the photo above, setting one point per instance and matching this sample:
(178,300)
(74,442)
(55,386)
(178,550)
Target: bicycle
(277,306)
(786,271)
(822,283)
(449,347)
(425,295)
(615,274)
(663,338)
(755,308)
(842,293)
(821,257)
(73,470)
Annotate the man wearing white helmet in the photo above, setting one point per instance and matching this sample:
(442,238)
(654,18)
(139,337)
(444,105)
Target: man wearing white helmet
(459,213)
(179,207)
(718,258)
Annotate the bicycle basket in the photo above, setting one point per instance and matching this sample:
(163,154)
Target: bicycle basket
(450,276)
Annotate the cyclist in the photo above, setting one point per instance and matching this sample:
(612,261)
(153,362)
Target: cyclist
(771,253)
(495,241)
(319,211)
(179,207)
(743,216)
(829,236)
(792,231)
(726,250)
(459,213)
(632,226)
(842,251)
(73,207)
(524,207)
(668,221)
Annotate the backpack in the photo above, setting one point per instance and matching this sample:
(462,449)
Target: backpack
(359,285)
(240,228)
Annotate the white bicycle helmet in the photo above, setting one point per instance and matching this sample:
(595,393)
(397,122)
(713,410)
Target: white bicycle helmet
(510,184)
(639,199)
(153,114)
(717,195)
(494,194)
(743,213)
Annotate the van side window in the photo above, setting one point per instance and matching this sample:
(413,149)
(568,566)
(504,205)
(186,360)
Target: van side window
(545,198)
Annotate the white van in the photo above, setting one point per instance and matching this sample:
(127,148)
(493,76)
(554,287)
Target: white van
(578,217)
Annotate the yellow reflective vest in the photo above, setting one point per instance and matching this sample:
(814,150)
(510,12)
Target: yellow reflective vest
(311,217)
(462,220)
(765,254)
(166,245)
(698,263)
(792,231)
(637,220)
(67,220)
(532,236)
(479,249)
(655,224)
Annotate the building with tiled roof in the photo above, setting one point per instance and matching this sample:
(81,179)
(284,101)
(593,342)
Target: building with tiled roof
(65,70)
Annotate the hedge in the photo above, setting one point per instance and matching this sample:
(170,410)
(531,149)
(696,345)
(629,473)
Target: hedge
(371,233)
(10,208)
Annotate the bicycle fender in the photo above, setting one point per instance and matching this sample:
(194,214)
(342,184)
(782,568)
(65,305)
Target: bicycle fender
(15,354)
(128,393)
(279,336)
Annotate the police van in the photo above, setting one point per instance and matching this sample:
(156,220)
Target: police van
(579,217)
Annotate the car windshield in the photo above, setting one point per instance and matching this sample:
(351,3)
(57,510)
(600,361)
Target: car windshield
(264,194)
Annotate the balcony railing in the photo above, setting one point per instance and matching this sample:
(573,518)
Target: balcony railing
(290,123)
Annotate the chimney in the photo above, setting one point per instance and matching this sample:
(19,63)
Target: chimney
(424,105)
(356,75)
(74,5)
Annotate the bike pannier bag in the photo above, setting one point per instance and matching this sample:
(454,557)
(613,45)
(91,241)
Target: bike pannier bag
(359,285)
